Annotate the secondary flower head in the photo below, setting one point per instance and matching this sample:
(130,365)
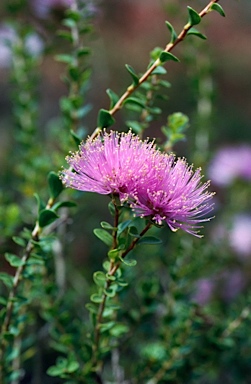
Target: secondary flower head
(113,163)
(153,183)
(178,198)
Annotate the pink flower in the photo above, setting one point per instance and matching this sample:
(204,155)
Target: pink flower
(177,197)
(231,163)
(153,183)
(113,163)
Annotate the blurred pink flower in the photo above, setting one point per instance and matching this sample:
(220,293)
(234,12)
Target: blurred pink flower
(229,164)
(231,283)
(204,290)
(8,38)
(43,7)
(155,184)
(240,235)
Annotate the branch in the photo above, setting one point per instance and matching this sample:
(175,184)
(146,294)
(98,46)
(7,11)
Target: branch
(168,48)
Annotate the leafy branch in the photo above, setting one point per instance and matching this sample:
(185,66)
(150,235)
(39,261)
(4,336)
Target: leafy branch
(105,117)
(46,216)
(110,279)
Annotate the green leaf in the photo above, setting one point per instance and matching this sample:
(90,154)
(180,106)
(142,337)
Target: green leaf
(55,371)
(114,98)
(79,113)
(19,240)
(105,119)
(46,217)
(61,204)
(91,308)
(74,73)
(70,23)
(68,59)
(133,74)
(135,101)
(108,226)
(111,291)
(73,14)
(119,330)
(6,279)
(113,254)
(164,83)
(110,277)
(106,326)
(13,260)
(151,240)
(83,51)
(154,54)
(172,30)
(178,122)
(65,35)
(128,262)
(166,56)
(99,278)
(133,231)
(55,185)
(194,17)
(72,366)
(111,208)
(122,226)
(106,265)
(159,71)
(3,301)
(76,138)
(96,298)
(218,8)
(104,236)
(41,205)
(110,309)
(194,31)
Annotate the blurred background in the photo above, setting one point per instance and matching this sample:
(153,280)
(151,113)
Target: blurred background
(211,85)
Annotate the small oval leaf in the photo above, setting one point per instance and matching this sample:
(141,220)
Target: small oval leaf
(55,185)
(128,262)
(96,298)
(114,98)
(75,137)
(61,204)
(6,279)
(108,226)
(150,240)
(194,31)
(166,56)
(46,217)
(172,30)
(218,8)
(104,236)
(133,74)
(13,260)
(105,119)
(194,17)
(19,240)
(99,278)
(135,101)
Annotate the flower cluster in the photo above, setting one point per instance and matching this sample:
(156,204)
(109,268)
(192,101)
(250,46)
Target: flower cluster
(154,184)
